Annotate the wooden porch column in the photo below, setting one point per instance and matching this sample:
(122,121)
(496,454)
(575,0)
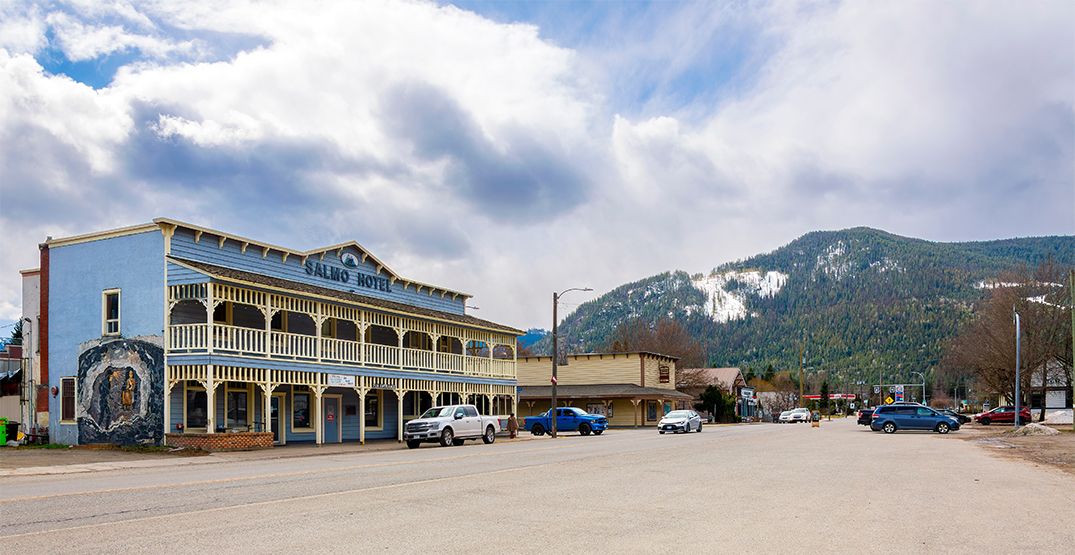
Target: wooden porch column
(635,403)
(400,393)
(210,400)
(266,389)
(318,432)
(362,416)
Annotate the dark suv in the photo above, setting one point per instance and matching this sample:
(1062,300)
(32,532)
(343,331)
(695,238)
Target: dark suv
(889,418)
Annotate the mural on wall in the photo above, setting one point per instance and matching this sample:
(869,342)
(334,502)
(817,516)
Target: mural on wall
(121,391)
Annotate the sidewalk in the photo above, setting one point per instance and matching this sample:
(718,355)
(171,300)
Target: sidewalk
(117,460)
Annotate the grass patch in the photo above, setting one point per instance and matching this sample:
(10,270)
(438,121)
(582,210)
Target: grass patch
(44,446)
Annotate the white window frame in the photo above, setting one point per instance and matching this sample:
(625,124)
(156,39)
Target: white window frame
(104,311)
(74,394)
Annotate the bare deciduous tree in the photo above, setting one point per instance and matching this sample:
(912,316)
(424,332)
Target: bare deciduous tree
(985,347)
(666,337)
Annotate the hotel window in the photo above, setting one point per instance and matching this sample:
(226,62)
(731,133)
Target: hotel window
(236,405)
(373,409)
(300,410)
(67,401)
(196,408)
(110,312)
(663,373)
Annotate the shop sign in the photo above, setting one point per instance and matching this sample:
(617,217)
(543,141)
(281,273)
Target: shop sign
(383,385)
(340,380)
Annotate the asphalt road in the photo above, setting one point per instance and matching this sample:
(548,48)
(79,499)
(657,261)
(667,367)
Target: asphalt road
(757,488)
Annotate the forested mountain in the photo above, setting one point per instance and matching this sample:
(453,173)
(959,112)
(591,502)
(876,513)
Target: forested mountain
(856,299)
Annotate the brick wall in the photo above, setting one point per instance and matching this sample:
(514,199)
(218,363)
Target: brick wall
(242,441)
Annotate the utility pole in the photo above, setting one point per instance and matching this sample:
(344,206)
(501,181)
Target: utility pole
(1018,410)
(555,359)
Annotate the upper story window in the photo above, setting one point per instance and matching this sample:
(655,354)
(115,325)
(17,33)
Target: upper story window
(664,373)
(110,312)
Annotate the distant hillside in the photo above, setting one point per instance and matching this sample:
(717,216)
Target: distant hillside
(857,298)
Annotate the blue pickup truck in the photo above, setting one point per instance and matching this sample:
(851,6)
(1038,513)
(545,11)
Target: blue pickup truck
(568,419)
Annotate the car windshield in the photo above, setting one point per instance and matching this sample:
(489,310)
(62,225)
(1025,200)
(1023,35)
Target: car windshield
(436,412)
(677,414)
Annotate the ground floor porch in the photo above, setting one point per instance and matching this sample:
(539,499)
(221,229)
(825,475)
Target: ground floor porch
(622,404)
(312,407)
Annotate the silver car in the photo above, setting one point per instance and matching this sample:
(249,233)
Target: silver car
(680,421)
(795,415)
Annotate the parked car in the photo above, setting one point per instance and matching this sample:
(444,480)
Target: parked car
(962,418)
(865,417)
(450,425)
(1003,415)
(889,418)
(795,415)
(568,419)
(680,421)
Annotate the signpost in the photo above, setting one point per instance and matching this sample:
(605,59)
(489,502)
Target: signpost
(899,392)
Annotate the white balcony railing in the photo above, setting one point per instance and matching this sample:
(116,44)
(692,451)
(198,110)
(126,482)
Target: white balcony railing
(188,338)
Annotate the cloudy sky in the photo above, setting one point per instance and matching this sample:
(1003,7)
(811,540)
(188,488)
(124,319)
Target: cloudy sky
(513,149)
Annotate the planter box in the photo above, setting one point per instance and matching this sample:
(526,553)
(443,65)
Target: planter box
(241,441)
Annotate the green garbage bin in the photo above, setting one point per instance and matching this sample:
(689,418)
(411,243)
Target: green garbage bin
(3,431)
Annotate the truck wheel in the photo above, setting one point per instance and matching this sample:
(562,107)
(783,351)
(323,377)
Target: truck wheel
(584,429)
(490,435)
(413,444)
(447,438)
(538,430)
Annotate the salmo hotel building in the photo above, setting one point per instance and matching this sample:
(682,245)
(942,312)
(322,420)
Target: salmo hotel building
(171,332)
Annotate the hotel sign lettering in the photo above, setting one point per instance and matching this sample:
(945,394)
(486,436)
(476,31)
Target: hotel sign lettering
(332,273)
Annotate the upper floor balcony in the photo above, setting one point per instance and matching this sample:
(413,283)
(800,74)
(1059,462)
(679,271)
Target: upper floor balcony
(227,319)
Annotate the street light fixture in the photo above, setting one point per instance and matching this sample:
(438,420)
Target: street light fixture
(556,352)
(923,376)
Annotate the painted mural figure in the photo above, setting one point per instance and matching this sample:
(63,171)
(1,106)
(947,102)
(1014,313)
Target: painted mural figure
(127,397)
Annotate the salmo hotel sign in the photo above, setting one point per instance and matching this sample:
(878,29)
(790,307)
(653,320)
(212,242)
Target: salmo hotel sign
(343,275)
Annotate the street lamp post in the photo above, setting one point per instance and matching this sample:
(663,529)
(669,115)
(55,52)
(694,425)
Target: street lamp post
(1018,408)
(556,353)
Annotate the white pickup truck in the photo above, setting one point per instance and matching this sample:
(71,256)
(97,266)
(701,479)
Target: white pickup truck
(450,425)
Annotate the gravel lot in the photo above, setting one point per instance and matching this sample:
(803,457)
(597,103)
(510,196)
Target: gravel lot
(757,488)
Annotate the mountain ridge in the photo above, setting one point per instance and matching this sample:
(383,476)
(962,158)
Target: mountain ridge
(852,298)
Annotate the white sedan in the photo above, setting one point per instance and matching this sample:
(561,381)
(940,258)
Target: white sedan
(795,415)
(680,421)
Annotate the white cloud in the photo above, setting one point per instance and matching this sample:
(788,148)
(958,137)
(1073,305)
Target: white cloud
(482,156)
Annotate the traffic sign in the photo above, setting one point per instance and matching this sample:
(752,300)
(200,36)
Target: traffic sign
(877,389)
(852,406)
(888,400)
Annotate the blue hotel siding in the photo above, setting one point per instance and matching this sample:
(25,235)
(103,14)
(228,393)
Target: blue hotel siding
(78,274)
(230,255)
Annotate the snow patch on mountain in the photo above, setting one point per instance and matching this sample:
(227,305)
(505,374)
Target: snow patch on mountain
(726,292)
